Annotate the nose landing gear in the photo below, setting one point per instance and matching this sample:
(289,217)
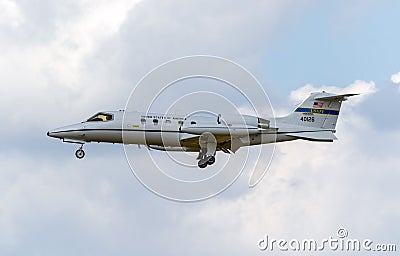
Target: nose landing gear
(80,153)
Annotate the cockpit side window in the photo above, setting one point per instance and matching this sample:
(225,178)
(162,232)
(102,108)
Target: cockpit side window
(100,117)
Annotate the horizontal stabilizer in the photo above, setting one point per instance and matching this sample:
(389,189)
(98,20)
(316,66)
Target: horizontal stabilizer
(316,136)
(331,97)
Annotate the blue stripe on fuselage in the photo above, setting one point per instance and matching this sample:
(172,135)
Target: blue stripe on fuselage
(317,111)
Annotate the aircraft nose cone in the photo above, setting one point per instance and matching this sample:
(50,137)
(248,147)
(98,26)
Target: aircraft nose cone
(73,132)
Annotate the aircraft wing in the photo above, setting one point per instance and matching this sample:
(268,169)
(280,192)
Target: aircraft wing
(223,141)
(190,141)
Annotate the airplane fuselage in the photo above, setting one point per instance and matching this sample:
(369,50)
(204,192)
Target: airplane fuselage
(314,120)
(161,131)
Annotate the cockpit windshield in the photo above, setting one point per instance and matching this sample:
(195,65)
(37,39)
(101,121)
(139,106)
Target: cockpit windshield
(100,117)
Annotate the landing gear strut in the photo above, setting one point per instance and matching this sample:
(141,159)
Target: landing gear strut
(208,146)
(80,153)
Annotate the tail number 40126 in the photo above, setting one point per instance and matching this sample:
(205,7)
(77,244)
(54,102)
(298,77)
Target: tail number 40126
(307,119)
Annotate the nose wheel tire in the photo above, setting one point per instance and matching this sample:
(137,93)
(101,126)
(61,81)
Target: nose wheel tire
(80,154)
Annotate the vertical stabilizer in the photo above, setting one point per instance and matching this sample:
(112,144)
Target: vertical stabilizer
(319,110)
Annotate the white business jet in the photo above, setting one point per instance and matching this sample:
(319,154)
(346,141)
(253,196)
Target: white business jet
(314,120)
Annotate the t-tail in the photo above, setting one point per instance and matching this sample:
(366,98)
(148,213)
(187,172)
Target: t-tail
(316,117)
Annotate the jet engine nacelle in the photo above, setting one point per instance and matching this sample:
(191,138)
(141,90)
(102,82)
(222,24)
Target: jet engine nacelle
(221,130)
(230,125)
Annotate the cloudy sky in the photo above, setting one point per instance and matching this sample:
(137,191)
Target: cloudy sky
(62,61)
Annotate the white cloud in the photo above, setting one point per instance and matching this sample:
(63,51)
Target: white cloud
(395,78)
(57,66)
(361,87)
(33,196)
(10,14)
(81,36)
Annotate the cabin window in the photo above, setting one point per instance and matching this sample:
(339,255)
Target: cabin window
(143,121)
(193,122)
(155,121)
(100,117)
